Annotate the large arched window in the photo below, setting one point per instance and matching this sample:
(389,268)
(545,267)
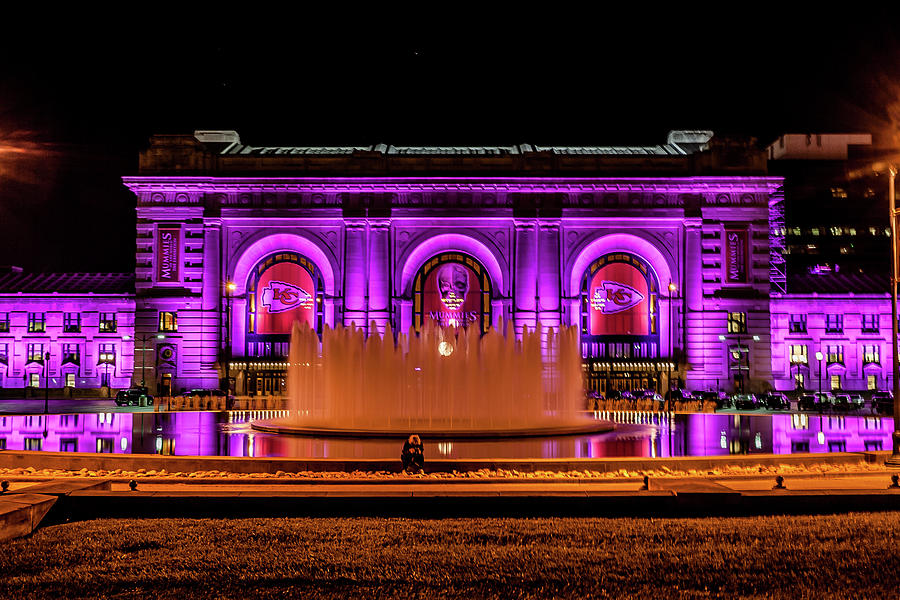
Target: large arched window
(619,308)
(452,290)
(282,288)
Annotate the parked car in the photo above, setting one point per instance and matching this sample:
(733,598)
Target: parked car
(826,401)
(882,402)
(807,402)
(841,402)
(134,396)
(745,402)
(775,401)
(651,395)
(720,398)
(856,401)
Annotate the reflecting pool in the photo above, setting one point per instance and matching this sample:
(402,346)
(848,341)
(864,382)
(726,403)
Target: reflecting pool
(636,435)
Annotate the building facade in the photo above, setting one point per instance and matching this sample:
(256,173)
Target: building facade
(65,332)
(654,252)
(669,259)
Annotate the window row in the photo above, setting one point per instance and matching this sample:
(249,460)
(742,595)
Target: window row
(37,322)
(69,353)
(834,354)
(834,323)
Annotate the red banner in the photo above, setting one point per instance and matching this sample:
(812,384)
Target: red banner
(285,293)
(452,296)
(736,255)
(619,301)
(168,254)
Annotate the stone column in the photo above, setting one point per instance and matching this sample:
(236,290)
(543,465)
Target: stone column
(213,291)
(693,295)
(355,273)
(379,269)
(525,281)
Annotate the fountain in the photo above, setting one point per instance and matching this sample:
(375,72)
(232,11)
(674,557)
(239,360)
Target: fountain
(440,383)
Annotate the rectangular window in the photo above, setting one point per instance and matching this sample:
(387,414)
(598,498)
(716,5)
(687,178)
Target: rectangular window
(4,354)
(737,322)
(870,354)
(34,443)
(800,446)
(168,321)
(871,382)
(104,445)
(798,324)
(71,353)
(70,380)
(798,354)
(68,445)
(107,322)
(72,323)
(4,322)
(873,445)
(35,380)
(834,323)
(870,323)
(840,446)
(2,443)
(36,323)
(835,354)
(835,382)
(106,354)
(35,352)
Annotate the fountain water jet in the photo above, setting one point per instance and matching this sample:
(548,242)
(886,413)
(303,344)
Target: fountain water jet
(451,383)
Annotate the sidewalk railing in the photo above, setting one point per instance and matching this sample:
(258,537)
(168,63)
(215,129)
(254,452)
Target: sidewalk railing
(178,403)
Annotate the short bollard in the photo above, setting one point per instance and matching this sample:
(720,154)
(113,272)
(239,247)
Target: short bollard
(779,483)
(4,486)
(895,482)
(646,485)
(132,485)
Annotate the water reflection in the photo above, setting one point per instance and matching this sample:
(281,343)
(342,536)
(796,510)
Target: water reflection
(637,435)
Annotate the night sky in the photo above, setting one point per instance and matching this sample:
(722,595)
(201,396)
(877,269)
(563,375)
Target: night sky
(81,93)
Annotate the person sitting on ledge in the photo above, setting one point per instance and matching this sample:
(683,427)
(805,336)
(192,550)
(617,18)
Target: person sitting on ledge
(413,455)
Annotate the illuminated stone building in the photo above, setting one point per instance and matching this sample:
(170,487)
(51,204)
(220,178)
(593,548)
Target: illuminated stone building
(660,254)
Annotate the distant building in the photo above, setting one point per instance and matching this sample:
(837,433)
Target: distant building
(84,323)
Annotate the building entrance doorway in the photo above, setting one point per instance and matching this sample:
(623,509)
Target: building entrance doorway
(165,385)
(269,383)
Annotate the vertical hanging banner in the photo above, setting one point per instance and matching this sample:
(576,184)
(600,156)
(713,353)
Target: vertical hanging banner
(736,256)
(452,296)
(168,255)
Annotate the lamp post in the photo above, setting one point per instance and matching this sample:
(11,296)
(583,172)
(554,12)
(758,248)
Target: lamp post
(672,289)
(230,288)
(819,357)
(889,165)
(894,460)
(46,383)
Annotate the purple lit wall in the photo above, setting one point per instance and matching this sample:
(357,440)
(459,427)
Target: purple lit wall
(852,331)
(82,353)
(536,264)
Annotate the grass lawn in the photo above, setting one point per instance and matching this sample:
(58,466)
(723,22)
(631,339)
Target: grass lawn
(832,556)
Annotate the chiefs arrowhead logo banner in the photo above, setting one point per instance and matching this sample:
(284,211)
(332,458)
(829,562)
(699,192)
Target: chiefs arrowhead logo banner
(618,301)
(613,297)
(279,296)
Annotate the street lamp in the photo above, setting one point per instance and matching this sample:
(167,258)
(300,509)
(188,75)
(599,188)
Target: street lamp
(889,165)
(46,382)
(230,288)
(672,289)
(819,357)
